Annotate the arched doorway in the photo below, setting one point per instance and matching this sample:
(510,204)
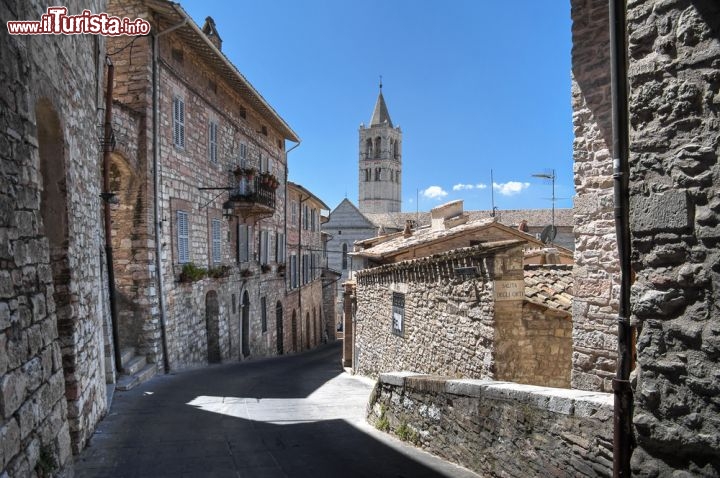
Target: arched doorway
(245,320)
(279,327)
(293,327)
(212,323)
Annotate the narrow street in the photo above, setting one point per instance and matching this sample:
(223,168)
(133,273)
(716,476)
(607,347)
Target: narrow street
(293,416)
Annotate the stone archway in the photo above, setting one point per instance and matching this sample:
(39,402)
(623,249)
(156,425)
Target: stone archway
(245,325)
(279,328)
(212,324)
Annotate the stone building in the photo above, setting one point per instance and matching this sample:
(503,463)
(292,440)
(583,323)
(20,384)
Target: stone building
(200,169)
(55,342)
(507,321)
(673,56)
(305,264)
(380,162)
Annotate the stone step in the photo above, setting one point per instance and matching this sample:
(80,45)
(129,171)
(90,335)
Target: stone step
(147,372)
(128,382)
(126,354)
(136,363)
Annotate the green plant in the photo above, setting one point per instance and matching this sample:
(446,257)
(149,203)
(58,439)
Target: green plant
(191,272)
(382,424)
(406,433)
(218,272)
(47,464)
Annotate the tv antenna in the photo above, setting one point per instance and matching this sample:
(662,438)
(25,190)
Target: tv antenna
(549,176)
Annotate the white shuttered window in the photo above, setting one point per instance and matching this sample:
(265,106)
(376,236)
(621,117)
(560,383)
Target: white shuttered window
(216,241)
(178,122)
(183,237)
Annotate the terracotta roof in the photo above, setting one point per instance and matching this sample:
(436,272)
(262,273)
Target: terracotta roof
(550,286)
(396,243)
(509,217)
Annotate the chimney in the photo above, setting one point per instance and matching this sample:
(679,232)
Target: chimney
(211,33)
(408,228)
(448,215)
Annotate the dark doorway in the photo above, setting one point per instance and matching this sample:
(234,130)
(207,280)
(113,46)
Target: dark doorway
(279,327)
(293,326)
(245,325)
(212,323)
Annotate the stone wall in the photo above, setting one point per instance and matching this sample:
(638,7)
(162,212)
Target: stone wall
(496,428)
(596,271)
(449,324)
(539,347)
(53,294)
(214,318)
(674,77)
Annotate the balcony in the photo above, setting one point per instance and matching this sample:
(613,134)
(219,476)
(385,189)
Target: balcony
(254,195)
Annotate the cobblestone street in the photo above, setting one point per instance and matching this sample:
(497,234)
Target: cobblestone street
(297,416)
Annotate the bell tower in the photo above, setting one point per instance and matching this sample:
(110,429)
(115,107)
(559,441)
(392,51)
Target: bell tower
(380,162)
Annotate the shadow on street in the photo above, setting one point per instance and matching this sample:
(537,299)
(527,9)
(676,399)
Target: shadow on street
(294,416)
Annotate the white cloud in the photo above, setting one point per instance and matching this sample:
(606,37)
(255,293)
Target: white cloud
(461,186)
(434,192)
(510,188)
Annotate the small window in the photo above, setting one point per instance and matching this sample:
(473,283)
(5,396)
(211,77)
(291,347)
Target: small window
(242,155)
(178,122)
(264,130)
(183,237)
(293,213)
(280,248)
(344,256)
(242,112)
(397,177)
(263,314)
(264,246)
(212,141)
(377,174)
(312,220)
(216,241)
(293,272)
(177,55)
(212,86)
(378,142)
(398,313)
(243,253)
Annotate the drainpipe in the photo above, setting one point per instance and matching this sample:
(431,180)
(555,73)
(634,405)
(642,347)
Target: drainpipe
(623,403)
(287,271)
(156,188)
(108,197)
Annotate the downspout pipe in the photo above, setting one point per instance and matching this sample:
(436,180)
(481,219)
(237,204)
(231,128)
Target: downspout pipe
(156,188)
(623,397)
(107,196)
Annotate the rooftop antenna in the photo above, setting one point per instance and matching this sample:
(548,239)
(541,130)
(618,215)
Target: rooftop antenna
(492,194)
(550,176)
(380,82)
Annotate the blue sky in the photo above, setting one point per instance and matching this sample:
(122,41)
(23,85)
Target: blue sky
(475,85)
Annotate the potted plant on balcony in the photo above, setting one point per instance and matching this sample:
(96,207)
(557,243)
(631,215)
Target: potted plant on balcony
(245,273)
(265,268)
(281,270)
(191,273)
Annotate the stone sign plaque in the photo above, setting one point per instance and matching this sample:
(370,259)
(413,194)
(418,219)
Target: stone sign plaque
(509,290)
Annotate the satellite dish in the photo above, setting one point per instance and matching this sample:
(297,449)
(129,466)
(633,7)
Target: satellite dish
(548,234)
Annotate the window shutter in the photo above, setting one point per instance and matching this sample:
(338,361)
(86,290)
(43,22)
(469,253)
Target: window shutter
(216,241)
(183,237)
(243,250)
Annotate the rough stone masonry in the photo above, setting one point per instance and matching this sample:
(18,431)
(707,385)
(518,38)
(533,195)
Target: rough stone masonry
(53,307)
(674,80)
